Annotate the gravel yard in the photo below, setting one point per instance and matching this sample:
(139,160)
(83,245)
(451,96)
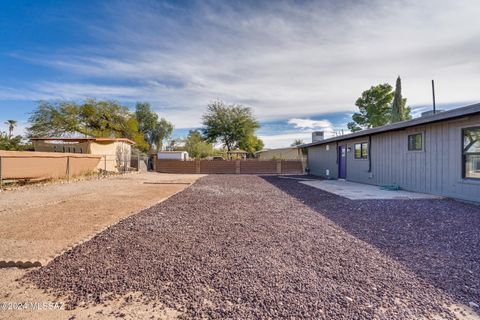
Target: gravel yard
(437,239)
(248,247)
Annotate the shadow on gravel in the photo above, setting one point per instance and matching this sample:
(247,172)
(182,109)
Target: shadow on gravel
(439,240)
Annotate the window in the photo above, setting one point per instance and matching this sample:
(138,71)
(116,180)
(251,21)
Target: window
(361,150)
(471,152)
(415,142)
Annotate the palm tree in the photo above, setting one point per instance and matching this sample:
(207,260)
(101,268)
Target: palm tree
(11,125)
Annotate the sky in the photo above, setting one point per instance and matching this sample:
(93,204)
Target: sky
(300,65)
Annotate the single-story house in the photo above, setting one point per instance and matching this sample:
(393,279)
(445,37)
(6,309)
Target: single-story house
(437,153)
(115,152)
(173,155)
(290,153)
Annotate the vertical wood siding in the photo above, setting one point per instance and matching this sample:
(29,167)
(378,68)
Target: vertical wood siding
(436,169)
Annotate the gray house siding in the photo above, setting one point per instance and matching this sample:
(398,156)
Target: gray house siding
(392,163)
(320,160)
(436,169)
(357,169)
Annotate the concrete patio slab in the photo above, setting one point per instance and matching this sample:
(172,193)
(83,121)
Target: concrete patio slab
(360,191)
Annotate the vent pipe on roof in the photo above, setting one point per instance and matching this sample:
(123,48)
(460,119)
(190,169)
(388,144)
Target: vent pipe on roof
(433,96)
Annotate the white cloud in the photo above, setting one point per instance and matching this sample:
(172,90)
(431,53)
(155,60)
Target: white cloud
(284,140)
(285,59)
(311,124)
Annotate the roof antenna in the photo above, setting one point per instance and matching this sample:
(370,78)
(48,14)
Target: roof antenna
(433,95)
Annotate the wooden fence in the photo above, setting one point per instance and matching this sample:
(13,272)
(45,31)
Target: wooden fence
(230,167)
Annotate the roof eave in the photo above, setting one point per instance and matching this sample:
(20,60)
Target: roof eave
(443,116)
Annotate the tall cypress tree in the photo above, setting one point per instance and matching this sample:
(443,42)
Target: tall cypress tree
(398,105)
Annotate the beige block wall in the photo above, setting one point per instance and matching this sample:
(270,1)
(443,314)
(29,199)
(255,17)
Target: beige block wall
(45,165)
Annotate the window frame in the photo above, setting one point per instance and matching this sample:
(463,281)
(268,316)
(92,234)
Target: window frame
(363,147)
(408,142)
(464,154)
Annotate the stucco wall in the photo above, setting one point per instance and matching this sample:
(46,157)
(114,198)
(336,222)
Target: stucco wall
(116,155)
(45,165)
(281,154)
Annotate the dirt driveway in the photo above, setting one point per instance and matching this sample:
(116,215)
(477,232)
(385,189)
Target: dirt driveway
(244,247)
(40,222)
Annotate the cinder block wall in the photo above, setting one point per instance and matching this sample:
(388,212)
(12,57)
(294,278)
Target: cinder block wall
(230,167)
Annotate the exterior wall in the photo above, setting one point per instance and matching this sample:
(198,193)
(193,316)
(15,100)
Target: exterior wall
(281,154)
(357,169)
(116,155)
(437,168)
(320,160)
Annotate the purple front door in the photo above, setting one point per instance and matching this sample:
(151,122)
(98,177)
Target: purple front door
(342,162)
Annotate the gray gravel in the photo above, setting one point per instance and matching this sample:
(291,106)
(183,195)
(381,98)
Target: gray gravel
(437,239)
(238,247)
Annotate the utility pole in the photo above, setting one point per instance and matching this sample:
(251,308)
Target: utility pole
(433,96)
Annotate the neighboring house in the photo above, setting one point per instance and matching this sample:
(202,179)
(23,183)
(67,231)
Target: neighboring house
(173,155)
(237,154)
(116,152)
(438,154)
(290,153)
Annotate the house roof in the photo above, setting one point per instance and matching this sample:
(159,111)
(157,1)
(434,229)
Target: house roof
(83,139)
(445,115)
(277,149)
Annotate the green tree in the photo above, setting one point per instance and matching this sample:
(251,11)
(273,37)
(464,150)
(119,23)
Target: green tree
(11,125)
(374,108)
(196,146)
(146,118)
(155,130)
(94,118)
(163,130)
(12,143)
(297,142)
(400,111)
(251,144)
(228,124)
